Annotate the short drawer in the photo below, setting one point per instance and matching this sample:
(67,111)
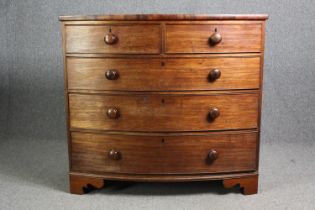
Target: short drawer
(159,112)
(211,153)
(123,39)
(133,74)
(196,38)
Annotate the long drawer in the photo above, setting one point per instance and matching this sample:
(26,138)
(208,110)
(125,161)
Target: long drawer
(135,74)
(196,38)
(211,153)
(123,39)
(159,112)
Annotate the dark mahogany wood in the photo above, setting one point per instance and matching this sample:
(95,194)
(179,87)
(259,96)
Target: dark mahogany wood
(214,75)
(159,113)
(165,177)
(248,185)
(110,38)
(113,113)
(213,113)
(164,74)
(123,39)
(112,74)
(163,97)
(212,38)
(142,17)
(215,38)
(211,153)
(212,156)
(80,184)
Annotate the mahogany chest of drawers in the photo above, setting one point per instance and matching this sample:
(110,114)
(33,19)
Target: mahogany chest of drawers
(163,98)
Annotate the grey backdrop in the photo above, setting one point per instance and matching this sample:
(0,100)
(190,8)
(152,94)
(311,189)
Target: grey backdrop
(32,101)
(33,151)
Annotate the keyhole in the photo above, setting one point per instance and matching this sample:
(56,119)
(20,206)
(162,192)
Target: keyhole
(163,141)
(162,63)
(163,101)
(215,30)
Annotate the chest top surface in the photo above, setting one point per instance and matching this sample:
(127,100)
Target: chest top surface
(136,17)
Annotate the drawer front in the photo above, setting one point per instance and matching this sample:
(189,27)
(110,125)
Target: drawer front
(164,74)
(158,112)
(127,39)
(196,38)
(212,153)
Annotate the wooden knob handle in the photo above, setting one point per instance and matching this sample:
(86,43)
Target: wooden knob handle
(212,155)
(214,75)
(112,74)
(213,113)
(110,38)
(113,113)
(215,38)
(114,155)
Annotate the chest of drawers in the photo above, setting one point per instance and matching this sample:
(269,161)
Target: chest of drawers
(163,98)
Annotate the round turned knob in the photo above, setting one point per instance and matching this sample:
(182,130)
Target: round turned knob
(114,155)
(214,75)
(213,113)
(113,113)
(212,155)
(215,38)
(112,74)
(110,38)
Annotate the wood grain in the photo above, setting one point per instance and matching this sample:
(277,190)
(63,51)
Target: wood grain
(263,31)
(163,112)
(143,17)
(164,177)
(191,92)
(164,155)
(248,185)
(81,184)
(194,38)
(143,39)
(161,97)
(136,74)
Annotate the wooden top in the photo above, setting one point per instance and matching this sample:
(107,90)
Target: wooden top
(137,17)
